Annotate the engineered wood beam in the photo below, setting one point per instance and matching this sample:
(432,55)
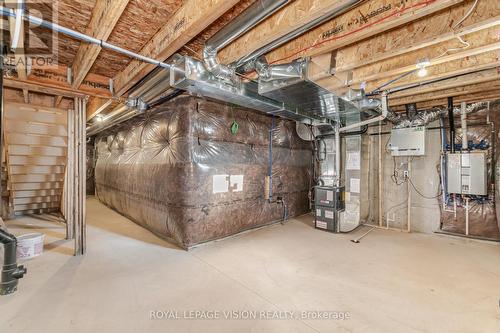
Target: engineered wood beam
(96,105)
(467,97)
(50,87)
(445,93)
(428,32)
(397,66)
(488,75)
(57,77)
(105,15)
(190,20)
(484,61)
(367,20)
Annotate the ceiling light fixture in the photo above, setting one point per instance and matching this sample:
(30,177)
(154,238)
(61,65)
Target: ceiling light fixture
(421,66)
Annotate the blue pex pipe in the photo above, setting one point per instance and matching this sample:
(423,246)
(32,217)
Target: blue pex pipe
(270,165)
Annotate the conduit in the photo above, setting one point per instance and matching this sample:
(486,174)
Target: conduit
(75,34)
(19,23)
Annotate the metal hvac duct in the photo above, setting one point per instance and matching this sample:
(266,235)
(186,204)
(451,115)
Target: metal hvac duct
(244,22)
(247,63)
(426,117)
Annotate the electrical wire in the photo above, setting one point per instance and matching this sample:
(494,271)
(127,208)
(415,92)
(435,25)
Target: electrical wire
(469,13)
(463,42)
(420,193)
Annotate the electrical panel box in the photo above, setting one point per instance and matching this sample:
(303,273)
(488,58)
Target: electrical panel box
(467,173)
(408,141)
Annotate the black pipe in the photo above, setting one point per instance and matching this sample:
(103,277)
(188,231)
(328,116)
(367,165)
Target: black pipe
(2,213)
(451,119)
(11,273)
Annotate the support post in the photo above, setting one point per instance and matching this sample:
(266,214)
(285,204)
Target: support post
(79,182)
(380,176)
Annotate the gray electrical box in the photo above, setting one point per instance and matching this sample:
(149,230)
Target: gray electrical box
(467,173)
(408,141)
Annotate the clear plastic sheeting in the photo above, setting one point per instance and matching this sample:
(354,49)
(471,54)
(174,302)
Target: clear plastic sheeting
(194,170)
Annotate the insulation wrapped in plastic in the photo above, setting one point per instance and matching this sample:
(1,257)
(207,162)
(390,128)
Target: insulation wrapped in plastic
(483,219)
(90,187)
(426,117)
(188,173)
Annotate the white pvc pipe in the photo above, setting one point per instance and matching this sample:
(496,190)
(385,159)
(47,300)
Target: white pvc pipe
(337,153)
(380,176)
(18,25)
(467,216)
(409,196)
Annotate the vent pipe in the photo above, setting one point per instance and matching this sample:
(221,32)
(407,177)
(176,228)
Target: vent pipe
(451,119)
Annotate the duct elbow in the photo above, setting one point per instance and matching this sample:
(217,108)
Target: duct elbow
(6,238)
(219,70)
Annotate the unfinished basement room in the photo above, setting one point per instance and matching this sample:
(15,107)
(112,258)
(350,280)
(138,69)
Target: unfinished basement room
(253,166)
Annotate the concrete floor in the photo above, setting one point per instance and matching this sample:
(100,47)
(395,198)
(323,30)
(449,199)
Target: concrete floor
(390,282)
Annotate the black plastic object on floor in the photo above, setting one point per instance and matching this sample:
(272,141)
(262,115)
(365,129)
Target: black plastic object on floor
(11,272)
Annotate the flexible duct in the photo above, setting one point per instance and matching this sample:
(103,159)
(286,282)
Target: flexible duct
(425,117)
(252,16)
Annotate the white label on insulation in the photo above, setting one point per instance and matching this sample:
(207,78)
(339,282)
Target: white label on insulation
(236,183)
(227,183)
(220,183)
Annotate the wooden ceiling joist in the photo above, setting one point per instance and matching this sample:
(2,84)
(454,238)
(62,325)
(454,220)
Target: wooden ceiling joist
(105,15)
(43,88)
(394,67)
(466,97)
(354,26)
(428,32)
(189,20)
(456,82)
(462,66)
(444,93)
(96,105)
